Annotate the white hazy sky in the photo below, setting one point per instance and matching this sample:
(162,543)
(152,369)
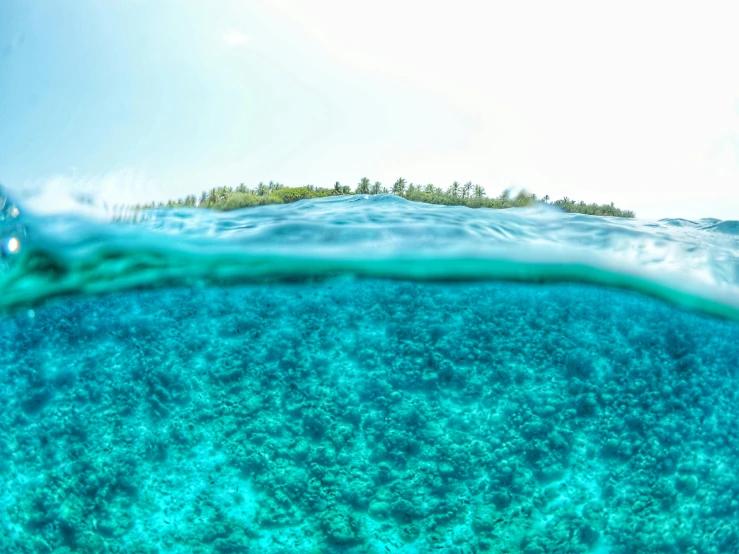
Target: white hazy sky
(631,102)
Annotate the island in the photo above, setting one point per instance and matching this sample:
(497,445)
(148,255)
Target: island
(457,194)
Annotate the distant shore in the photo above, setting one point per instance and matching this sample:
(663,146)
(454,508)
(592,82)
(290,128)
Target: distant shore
(457,194)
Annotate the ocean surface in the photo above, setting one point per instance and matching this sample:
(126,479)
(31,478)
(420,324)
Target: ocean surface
(369,375)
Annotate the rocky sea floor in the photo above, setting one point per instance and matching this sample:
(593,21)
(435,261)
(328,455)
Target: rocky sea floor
(369,416)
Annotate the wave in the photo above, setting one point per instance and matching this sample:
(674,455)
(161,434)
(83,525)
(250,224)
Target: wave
(694,265)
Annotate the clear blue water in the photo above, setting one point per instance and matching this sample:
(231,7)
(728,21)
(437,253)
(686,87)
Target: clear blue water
(368,375)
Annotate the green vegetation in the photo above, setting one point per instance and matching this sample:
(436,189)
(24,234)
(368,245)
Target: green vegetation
(457,194)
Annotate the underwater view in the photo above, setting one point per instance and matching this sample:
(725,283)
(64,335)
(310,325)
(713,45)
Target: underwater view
(369,375)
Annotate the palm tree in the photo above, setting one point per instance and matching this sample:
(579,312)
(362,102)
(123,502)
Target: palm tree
(203,198)
(429,189)
(212,196)
(261,189)
(337,188)
(479,192)
(224,193)
(241,188)
(454,189)
(363,187)
(466,189)
(377,188)
(399,186)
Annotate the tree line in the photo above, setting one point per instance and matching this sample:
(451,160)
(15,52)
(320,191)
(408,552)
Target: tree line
(457,194)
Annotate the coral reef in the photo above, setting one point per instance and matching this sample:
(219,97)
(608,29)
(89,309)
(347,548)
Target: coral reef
(372,417)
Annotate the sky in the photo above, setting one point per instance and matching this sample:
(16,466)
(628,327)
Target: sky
(635,103)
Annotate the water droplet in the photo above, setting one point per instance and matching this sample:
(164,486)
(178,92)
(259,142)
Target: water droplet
(13,245)
(9,247)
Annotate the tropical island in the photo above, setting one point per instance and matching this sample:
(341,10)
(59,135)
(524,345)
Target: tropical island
(457,194)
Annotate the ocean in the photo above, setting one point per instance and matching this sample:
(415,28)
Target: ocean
(370,375)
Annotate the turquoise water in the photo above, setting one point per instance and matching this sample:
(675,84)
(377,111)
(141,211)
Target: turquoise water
(368,375)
